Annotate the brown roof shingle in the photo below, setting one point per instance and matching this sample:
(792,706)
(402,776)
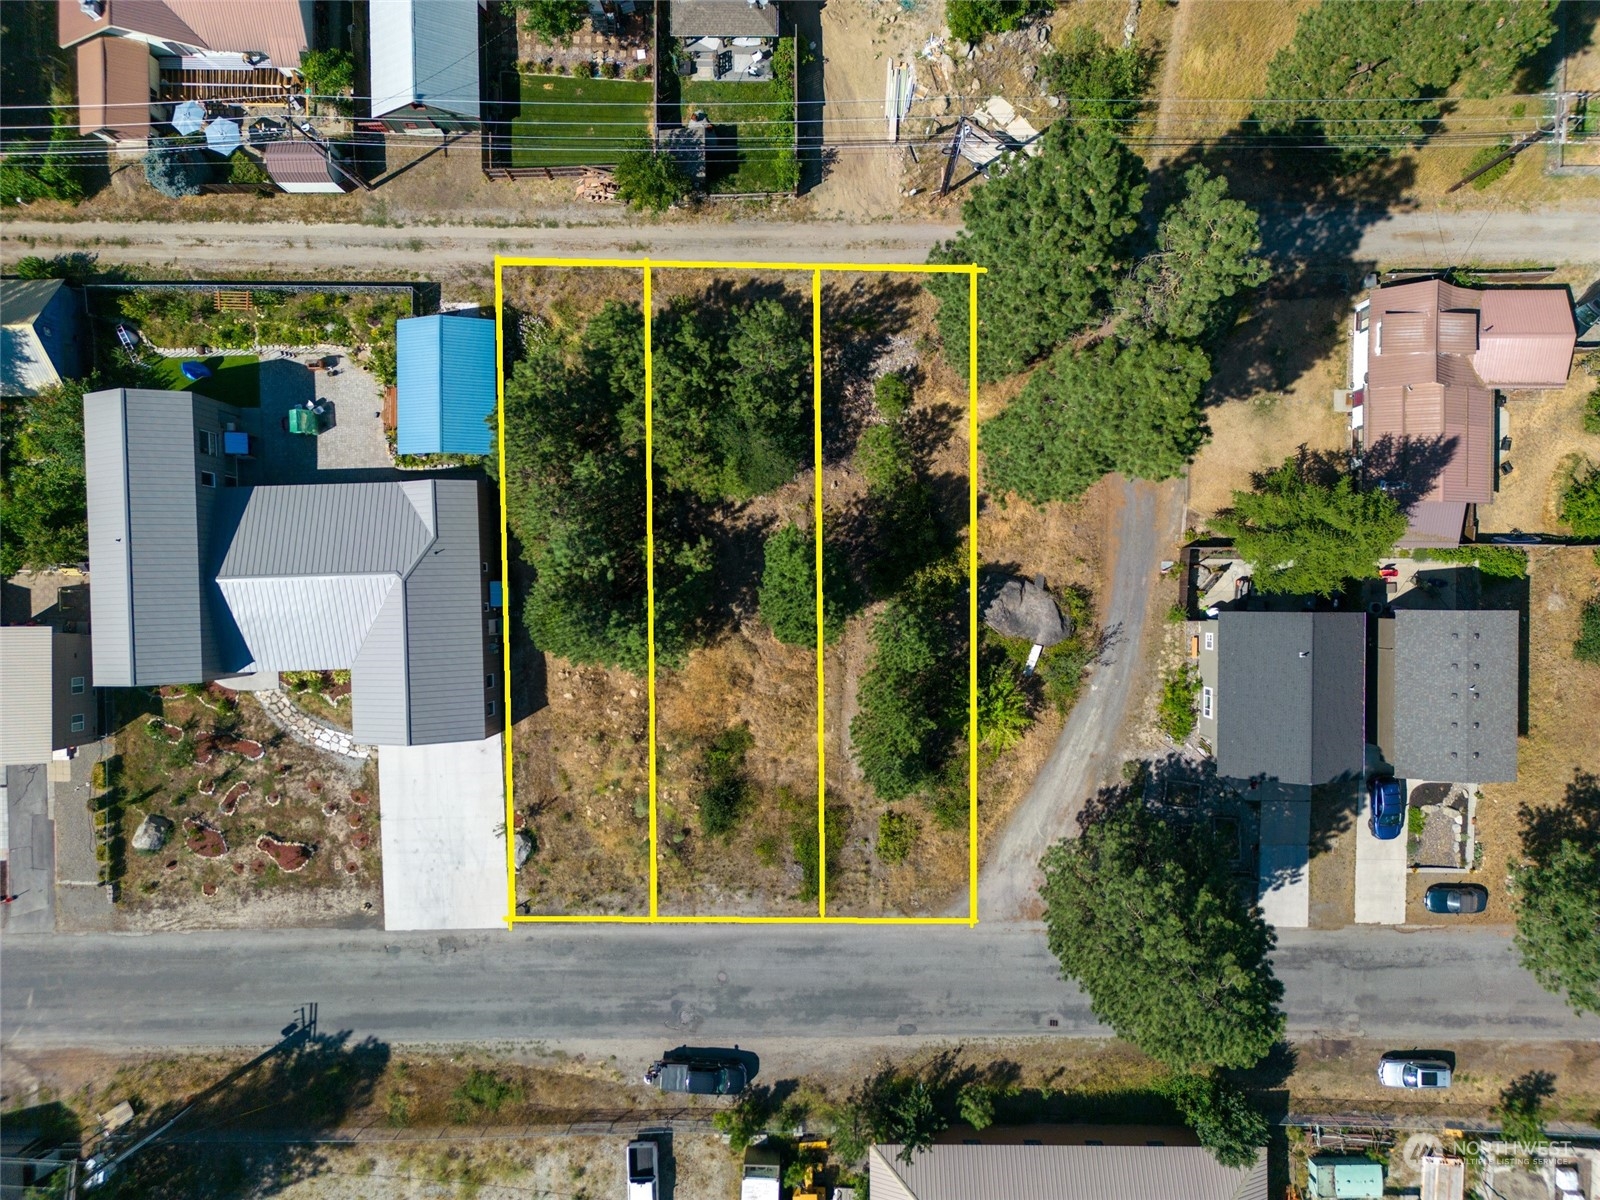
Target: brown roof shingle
(114,87)
(276,28)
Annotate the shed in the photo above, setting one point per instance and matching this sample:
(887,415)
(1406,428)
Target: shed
(1344,1177)
(114,84)
(301,166)
(1444,1177)
(446,385)
(1021,608)
(39,335)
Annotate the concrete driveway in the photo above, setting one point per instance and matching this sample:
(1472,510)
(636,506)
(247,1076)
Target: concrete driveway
(1380,873)
(442,812)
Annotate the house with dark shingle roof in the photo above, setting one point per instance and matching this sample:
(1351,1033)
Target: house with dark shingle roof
(201,574)
(1448,694)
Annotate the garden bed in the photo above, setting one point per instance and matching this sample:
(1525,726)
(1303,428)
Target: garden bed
(266,828)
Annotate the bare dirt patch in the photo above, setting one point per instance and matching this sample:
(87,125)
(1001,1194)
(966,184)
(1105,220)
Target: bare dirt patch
(1546,430)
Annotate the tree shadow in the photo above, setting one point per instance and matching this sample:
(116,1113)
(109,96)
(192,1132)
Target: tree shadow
(1576,819)
(1529,1091)
(307,1087)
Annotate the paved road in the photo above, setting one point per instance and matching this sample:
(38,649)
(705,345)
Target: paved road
(1148,525)
(1322,234)
(577,986)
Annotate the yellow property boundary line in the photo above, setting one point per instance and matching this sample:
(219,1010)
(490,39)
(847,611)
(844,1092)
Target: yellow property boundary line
(647,267)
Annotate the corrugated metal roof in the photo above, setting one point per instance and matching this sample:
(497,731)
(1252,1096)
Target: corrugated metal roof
(306,623)
(723,18)
(1290,698)
(298,165)
(1455,695)
(276,28)
(379,680)
(1528,338)
(424,52)
(149,520)
(114,87)
(320,529)
(1434,523)
(948,1172)
(446,385)
(22,300)
(25,700)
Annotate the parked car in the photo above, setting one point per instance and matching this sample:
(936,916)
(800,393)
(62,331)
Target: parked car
(1456,898)
(699,1076)
(1405,1072)
(1388,807)
(1587,310)
(644,1170)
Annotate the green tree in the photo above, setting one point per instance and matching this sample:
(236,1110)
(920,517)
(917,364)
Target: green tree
(787,599)
(552,20)
(1557,887)
(975,1102)
(1362,75)
(1580,502)
(1099,82)
(1134,409)
(1222,1117)
(1146,916)
(1206,256)
(912,697)
(43,494)
(1307,537)
(53,170)
(176,169)
(974,20)
(897,1110)
(328,71)
(648,180)
(1053,233)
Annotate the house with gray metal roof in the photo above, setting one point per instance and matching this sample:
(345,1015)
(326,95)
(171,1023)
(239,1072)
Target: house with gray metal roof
(1448,694)
(423,57)
(199,576)
(48,702)
(1063,1163)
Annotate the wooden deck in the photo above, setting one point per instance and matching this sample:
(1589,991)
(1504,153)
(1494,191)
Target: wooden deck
(261,86)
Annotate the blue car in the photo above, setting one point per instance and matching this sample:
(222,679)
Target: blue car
(1388,807)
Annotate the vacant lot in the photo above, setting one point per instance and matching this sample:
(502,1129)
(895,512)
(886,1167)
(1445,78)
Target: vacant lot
(567,121)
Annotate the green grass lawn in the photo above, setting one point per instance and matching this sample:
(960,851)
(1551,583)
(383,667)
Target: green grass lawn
(235,378)
(756,124)
(578,122)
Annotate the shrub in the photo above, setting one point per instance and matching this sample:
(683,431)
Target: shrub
(726,794)
(1591,412)
(807,851)
(1501,562)
(1102,82)
(1580,502)
(892,395)
(176,170)
(1587,646)
(787,599)
(974,20)
(1004,713)
(897,833)
(1485,155)
(648,180)
(244,169)
(328,71)
(483,1092)
(1176,712)
(552,20)
(975,1103)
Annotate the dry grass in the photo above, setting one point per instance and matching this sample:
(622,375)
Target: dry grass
(1273,393)
(1546,431)
(1560,739)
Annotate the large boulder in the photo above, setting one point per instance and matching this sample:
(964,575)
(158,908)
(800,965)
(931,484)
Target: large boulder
(152,833)
(524,848)
(1022,608)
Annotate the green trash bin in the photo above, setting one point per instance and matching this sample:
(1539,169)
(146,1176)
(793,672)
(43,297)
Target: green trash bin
(303,420)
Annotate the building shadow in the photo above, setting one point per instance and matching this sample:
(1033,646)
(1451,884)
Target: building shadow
(809,47)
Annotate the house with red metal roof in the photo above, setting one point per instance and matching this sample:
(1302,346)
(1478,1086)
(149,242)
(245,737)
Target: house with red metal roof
(1427,359)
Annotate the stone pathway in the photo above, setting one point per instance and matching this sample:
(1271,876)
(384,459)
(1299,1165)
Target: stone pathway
(303,727)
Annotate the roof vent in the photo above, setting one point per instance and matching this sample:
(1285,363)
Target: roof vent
(95,10)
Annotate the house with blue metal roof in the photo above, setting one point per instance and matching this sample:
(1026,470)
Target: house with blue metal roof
(445,386)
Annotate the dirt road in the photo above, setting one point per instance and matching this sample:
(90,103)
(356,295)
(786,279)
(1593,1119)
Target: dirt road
(1085,756)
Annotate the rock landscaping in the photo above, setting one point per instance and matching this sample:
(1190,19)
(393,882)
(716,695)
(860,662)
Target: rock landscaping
(203,839)
(152,834)
(290,856)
